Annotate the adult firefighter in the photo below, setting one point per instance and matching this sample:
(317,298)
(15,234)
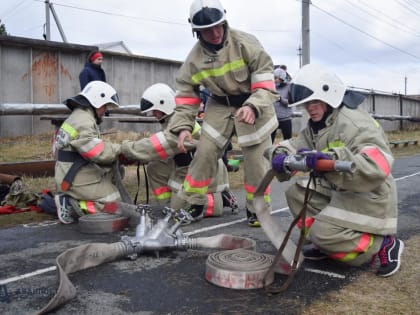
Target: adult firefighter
(166,166)
(351,217)
(238,72)
(83,173)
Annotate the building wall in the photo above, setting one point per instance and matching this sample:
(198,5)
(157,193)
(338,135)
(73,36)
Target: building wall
(45,72)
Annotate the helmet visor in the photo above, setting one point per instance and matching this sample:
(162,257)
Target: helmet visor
(115,98)
(207,16)
(145,105)
(114,101)
(297,93)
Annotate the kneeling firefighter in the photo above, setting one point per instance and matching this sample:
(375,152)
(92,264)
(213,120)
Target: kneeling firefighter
(166,166)
(352,217)
(83,171)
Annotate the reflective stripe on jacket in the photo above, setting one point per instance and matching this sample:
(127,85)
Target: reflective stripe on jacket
(160,146)
(365,200)
(240,67)
(80,133)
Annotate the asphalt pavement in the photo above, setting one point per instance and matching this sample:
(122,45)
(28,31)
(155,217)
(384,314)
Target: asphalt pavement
(173,282)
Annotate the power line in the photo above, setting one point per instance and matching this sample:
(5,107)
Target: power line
(11,10)
(388,21)
(407,7)
(414,4)
(346,50)
(156,20)
(120,15)
(367,34)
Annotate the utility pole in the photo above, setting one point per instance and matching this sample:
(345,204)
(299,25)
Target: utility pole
(48,7)
(405,85)
(300,56)
(305,33)
(47,20)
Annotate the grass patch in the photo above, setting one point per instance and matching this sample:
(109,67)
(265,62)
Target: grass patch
(369,294)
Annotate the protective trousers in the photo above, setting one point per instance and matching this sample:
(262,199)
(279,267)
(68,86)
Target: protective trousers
(166,180)
(340,243)
(202,168)
(90,199)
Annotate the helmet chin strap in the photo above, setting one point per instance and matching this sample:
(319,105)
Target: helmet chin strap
(97,118)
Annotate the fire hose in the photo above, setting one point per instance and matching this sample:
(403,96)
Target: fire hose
(239,266)
(149,237)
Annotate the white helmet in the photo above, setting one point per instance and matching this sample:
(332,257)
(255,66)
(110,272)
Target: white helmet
(100,93)
(206,13)
(95,94)
(160,97)
(281,74)
(313,82)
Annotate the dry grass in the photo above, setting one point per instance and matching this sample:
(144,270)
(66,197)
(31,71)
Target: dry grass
(369,294)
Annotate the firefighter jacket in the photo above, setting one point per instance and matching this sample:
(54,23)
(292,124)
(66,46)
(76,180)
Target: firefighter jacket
(163,146)
(78,142)
(240,73)
(160,146)
(365,200)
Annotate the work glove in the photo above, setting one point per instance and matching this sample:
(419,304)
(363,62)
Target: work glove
(277,162)
(312,157)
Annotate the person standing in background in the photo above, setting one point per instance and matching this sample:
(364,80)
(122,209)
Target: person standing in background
(92,70)
(283,111)
(288,76)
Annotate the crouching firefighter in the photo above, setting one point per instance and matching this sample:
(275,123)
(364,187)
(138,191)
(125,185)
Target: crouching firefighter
(351,217)
(83,169)
(166,166)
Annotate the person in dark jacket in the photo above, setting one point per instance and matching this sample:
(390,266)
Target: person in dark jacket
(92,70)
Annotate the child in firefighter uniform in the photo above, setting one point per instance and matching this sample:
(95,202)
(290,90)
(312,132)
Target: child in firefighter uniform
(351,217)
(238,72)
(166,166)
(83,173)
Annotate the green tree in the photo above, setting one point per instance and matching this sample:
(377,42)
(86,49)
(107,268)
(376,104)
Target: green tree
(3,29)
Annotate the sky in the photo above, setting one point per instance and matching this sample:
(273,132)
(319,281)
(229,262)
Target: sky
(369,44)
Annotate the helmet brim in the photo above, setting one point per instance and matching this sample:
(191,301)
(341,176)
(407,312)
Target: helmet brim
(299,95)
(77,101)
(112,105)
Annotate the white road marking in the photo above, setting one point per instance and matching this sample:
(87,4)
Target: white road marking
(28,275)
(325,273)
(40,224)
(405,177)
(217,226)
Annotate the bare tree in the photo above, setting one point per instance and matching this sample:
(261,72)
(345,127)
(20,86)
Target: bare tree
(3,29)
